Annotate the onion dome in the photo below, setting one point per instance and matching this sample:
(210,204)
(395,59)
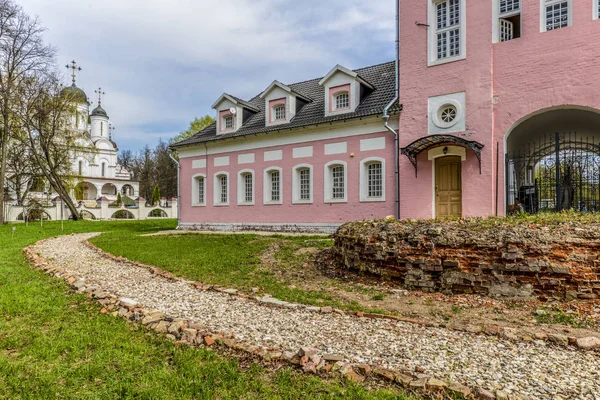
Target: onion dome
(99,112)
(75,94)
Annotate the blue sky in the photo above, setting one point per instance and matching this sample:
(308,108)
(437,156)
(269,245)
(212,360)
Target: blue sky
(163,62)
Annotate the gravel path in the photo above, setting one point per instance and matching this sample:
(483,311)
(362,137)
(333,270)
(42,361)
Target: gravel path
(536,369)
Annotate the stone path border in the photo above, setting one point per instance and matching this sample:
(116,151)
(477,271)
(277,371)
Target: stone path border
(194,334)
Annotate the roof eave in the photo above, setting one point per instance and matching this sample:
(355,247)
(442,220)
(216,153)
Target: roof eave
(288,129)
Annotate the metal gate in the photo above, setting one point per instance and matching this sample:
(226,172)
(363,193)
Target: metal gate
(560,172)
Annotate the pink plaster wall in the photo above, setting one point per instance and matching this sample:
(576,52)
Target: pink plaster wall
(222,115)
(544,70)
(525,75)
(317,212)
(418,82)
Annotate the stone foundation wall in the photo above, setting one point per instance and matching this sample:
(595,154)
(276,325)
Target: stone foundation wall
(480,256)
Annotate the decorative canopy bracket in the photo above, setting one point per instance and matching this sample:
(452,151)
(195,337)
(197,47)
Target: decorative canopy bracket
(427,142)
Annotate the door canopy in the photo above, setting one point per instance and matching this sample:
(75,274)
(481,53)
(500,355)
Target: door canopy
(428,142)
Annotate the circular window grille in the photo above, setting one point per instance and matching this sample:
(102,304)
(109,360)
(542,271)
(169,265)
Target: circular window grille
(448,114)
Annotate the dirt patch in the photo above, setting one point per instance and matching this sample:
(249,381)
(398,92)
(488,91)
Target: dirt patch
(307,269)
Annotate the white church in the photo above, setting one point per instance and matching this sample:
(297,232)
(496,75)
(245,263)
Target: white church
(99,172)
(100,178)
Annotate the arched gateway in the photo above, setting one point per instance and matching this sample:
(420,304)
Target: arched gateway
(553,161)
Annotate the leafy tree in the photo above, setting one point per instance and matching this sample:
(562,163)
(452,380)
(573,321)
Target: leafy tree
(156,195)
(195,126)
(119,200)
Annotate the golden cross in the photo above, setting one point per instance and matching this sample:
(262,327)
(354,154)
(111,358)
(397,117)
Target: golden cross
(73,67)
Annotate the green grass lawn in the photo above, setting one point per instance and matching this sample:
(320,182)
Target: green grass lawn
(232,261)
(55,344)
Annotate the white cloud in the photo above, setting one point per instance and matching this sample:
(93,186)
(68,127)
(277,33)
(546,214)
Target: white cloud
(163,62)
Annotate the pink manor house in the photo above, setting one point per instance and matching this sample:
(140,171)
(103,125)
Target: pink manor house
(491,107)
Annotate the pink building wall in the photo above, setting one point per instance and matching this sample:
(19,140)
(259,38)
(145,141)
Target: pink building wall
(504,83)
(318,212)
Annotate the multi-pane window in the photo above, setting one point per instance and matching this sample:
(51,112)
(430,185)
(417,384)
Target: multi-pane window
(304,183)
(374,180)
(275,186)
(80,168)
(509,21)
(337,182)
(200,187)
(597,5)
(103,169)
(508,6)
(280,113)
(228,122)
(557,14)
(223,189)
(447,28)
(248,190)
(342,100)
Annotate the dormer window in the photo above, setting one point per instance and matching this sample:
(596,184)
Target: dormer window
(342,101)
(280,113)
(232,113)
(227,122)
(339,98)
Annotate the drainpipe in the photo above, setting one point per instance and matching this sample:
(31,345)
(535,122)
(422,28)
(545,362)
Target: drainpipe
(178,191)
(386,116)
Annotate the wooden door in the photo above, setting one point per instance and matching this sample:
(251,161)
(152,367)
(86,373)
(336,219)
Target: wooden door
(448,187)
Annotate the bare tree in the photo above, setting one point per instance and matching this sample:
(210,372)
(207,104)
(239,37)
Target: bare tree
(22,169)
(46,111)
(23,54)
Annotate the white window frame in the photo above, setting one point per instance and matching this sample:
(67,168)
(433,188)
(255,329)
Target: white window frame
(546,3)
(432,34)
(497,16)
(335,99)
(267,186)
(275,109)
(195,191)
(328,182)
(225,118)
(296,184)
(364,180)
(217,189)
(241,188)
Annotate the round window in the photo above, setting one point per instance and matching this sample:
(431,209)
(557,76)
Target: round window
(447,114)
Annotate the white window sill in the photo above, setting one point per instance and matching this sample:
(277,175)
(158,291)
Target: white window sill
(344,200)
(273,203)
(199,205)
(302,201)
(373,200)
(221,205)
(446,60)
(242,204)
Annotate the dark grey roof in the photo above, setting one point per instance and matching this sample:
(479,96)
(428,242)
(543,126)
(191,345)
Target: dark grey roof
(99,111)
(381,76)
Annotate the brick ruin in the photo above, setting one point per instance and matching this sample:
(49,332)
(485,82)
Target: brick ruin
(487,257)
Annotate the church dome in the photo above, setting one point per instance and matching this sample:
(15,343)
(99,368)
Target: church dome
(75,93)
(99,112)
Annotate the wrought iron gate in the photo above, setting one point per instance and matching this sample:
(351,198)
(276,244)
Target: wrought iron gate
(560,172)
